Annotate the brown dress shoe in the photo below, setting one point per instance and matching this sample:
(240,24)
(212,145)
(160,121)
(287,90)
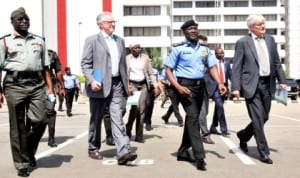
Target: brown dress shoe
(208,140)
(95,155)
(127,157)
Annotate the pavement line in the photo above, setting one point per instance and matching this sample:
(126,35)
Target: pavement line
(285,117)
(237,151)
(60,146)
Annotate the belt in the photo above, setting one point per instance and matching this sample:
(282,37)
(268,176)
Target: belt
(25,74)
(116,78)
(190,82)
(138,83)
(264,78)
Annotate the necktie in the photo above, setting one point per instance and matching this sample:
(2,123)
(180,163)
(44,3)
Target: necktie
(221,74)
(263,60)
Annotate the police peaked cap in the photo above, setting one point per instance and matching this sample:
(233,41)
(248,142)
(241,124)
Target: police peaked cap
(188,23)
(19,11)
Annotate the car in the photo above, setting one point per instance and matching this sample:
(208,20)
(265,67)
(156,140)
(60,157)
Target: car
(292,88)
(298,83)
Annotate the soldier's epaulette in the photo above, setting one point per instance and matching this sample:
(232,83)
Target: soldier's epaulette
(38,36)
(4,36)
(178,44)
(202,44)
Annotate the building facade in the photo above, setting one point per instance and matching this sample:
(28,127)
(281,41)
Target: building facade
(156,24)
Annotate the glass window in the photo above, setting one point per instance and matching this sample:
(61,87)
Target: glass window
(182,4)
(271,31)
(182,18)
(178,33)
(235,3)
(142,31)
(205,4)
(264,3)
(142,10)
(207,18)
(235,18)
(236,32)
(270,17)
(229,46)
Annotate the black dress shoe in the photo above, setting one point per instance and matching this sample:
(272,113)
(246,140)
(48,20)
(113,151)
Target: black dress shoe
(127,157)
(214,131)
(23,172)
(110,141)
(266,159)
(243,144)
(139,140)
(165,119)
(148,127)
(185,156)
(32,162)
(52,144)
(225,134)
(180,124)
(201,165)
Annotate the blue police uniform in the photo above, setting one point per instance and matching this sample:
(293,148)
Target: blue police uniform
(190,64)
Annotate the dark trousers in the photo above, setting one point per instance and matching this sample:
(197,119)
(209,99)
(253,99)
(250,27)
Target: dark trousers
(258,109)
(174,105)
(219,113)
(203,114)
(138,113)
(149,108)
(192,106)
(25,96)
(69,99)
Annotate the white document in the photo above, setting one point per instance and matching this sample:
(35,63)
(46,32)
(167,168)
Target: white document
(281,96)
(134,98)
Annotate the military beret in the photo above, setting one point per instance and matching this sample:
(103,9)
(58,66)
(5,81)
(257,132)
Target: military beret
(188,23)
(19,11)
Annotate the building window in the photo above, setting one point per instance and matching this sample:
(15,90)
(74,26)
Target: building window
(207,18)
(264,3)
(211,32)
(205,4)
(178,33)
(229,46)
(271,31)
(182,18)
(270,17)
(142,31)
(235,18)
(183,4)
(235,3)
(236,32)
(142,10)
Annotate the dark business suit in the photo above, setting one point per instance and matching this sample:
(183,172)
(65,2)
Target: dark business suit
(114,91)
(257,90)
(219,114)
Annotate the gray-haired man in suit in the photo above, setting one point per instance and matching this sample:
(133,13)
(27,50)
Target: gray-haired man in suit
(254,71)
(104,66)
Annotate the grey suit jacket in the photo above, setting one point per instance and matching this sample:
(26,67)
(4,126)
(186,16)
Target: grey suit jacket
(245,69)
(96,56)
(148,71)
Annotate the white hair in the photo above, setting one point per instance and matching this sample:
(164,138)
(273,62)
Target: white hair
(254,18)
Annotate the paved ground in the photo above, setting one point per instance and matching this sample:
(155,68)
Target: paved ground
(157,156)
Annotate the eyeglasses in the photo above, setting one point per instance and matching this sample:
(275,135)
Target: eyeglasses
(110,22)
(20,19)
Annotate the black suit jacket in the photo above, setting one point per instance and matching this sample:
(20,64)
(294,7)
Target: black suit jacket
(245,69)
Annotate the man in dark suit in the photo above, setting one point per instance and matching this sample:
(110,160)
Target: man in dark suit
(224,72)
(254,71)
(104,66)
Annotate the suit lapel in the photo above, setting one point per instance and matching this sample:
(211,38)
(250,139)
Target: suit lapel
(103,43)
(252,46)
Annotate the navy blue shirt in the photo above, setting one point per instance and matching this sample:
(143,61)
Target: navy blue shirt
(190,62)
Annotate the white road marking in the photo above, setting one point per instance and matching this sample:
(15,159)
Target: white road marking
(237,151)
(60,146)
(285,117)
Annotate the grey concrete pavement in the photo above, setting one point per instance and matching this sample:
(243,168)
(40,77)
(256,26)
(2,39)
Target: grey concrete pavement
(157,156)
